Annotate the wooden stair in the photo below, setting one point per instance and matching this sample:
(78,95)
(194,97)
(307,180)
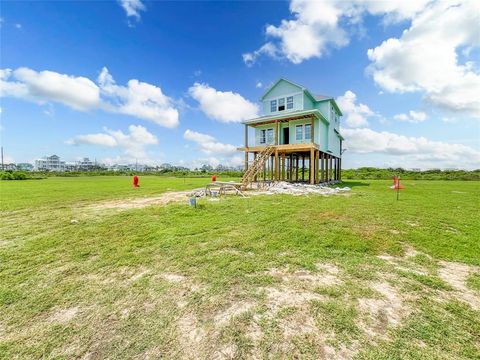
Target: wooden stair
(256,166)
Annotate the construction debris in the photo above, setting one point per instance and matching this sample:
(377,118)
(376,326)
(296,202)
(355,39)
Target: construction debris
(283,187)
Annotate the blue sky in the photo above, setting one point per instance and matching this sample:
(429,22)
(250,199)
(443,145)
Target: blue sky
(171,81)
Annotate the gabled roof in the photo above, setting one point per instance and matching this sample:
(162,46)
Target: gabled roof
(306,91)
(275,84)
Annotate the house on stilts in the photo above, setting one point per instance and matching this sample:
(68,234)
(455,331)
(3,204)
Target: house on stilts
(297,139)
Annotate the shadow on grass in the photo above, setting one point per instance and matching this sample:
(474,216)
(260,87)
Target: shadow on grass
(354,183)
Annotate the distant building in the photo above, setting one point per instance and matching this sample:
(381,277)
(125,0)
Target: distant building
(25,166)
(10,166)
(86,164)
(50,163)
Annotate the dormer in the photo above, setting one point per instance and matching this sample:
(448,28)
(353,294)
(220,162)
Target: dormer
(283,97)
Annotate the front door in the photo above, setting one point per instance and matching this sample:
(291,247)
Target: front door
(286,135)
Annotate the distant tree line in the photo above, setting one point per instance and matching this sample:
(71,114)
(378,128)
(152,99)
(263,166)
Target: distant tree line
(371,173)
(364,173)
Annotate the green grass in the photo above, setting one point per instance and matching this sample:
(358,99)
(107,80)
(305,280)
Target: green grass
(109,269)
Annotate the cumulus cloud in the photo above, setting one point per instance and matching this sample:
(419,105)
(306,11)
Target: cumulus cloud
(218,153)
(426,57)
(132,143)
(416,150)
(224,106)
(317,26)
(355,115)
(412,117)
(132,8)
(77,92)
(138,99)
(208,144)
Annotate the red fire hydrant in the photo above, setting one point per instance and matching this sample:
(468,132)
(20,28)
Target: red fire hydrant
(214,178)
(135,182)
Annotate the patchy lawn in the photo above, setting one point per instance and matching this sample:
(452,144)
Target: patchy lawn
(279,276)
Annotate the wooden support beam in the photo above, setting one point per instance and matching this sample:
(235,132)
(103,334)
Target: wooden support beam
(283,166)
(322,164)
(335,173)
(340,169)
(265,164)
(276,166)
(330,167)
(290,168)
(303,167)
(296,167)
(271,167)
(311,174)
(317,155)
(255,178)
(326,167)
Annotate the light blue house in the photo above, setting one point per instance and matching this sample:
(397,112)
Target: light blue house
(296,128)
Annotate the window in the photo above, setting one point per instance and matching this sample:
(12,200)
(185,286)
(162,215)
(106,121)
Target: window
(290,102)
(262,136)
(269,136)
(281,104)
(308,131)
(273,105)
(299,132)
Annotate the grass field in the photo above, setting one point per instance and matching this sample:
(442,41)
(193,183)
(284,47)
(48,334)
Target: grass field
(354,276)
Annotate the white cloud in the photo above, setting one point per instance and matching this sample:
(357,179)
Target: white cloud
(224,106)
(412,117)
(132,143)
(208,144)
(356,115)
(132,8)
(138,99)
(18,26)
(77,92)
(267,49)
(425,57)
(417,151)
(218,152)
(259,85)
(318,26)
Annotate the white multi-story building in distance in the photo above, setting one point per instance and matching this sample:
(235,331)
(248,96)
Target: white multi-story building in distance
(50,163)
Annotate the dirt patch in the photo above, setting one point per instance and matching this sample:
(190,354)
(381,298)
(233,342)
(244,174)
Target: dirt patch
(287,297)
(126,204)
(298,323)
(191,335)
(329,268)
(381,313)
(225,352)
(236,309)
(173,278)
(327,278)
(139,275)
(456,275)
(64,315)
